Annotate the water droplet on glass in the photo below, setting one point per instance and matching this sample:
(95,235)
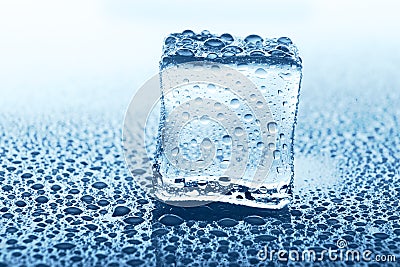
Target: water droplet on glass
(214,43)
(261,73)
(188,33)
(277,154)
(257,53)
(212,56)
(227,139)
(248,117)
(205,120)
(253,39)
(198,100)
(185,52)
(284,40)
(239,131)
(206,143)
(224,180)
(271,146)
(217,105)
(170,40)
(211,87)
(235,103)
(272,127)
(232,49)
(226,37)
(228,54)
(187,41)
(185,115)
(220,116)
(260,145)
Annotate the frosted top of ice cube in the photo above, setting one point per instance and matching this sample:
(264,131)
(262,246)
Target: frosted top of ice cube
(190,46)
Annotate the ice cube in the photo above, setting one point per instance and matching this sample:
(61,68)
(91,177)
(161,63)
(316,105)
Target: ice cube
(228,112)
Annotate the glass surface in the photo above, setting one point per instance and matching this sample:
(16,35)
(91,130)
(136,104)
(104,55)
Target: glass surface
(68,71)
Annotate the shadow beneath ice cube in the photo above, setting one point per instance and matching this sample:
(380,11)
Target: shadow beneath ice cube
(220,231)
(217,211)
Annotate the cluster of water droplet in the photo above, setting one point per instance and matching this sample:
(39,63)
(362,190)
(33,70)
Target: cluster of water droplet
(356,200)
(183,47)
(67,198)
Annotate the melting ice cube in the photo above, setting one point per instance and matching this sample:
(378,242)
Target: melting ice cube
(228,112)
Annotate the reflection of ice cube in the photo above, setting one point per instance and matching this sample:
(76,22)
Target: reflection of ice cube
(230,143)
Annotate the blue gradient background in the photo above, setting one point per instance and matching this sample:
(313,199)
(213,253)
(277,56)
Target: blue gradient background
(68,70)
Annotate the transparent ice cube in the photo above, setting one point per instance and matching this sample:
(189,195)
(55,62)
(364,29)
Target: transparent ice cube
(228,111)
